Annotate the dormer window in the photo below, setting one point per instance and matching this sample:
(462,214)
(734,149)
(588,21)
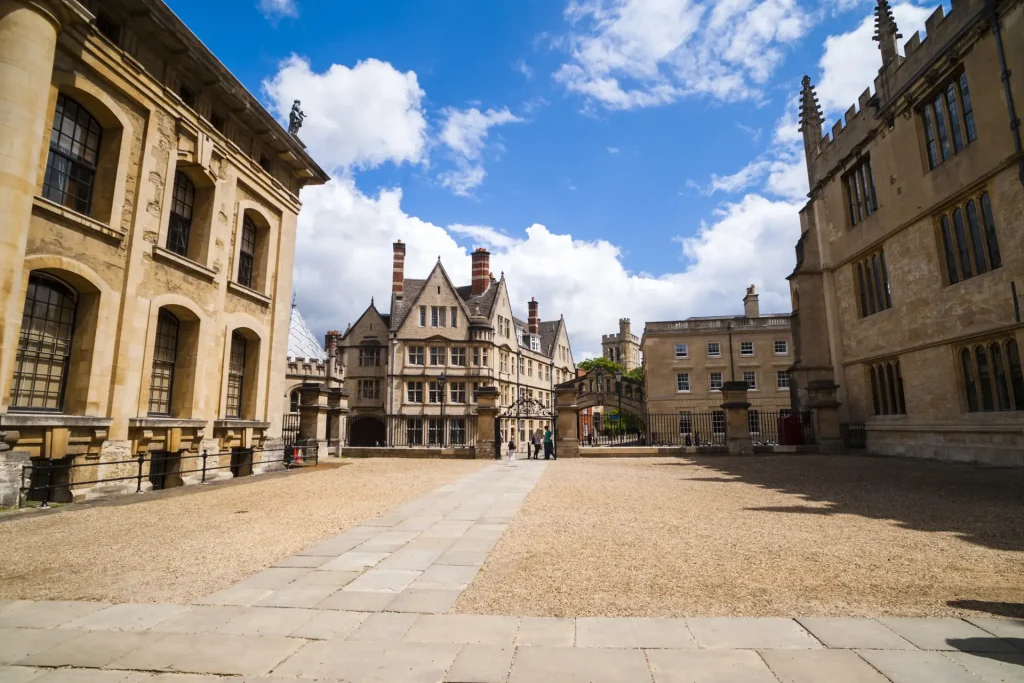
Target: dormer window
(535,342)
(187,96)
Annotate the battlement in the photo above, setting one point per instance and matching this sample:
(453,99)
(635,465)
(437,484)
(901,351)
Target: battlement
(307,366)
(612,338)
(890,83)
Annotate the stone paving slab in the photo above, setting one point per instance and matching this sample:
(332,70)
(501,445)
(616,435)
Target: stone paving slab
(297,596)
(385,626)
(358,601)
(300,561)
(474,629)
(991,667)
(633,632)
(550,631)
(814,666)
(235,595)
(709,666)
(18,643)
(267,621)
(200,619)
(47,613)
(426,601)
(371,662)
(330,624)
(93,650)
(536,664)
(212,654)
(125,618)
(354,560)
(480,664)
(750,633)
(946,634)
(854,633)
(1003,628)
(338,579)
(901,666)
(384,580)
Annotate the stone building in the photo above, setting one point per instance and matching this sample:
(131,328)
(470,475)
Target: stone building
(149,206)
(686,362)
(623,348)
(412,372)
(910,267)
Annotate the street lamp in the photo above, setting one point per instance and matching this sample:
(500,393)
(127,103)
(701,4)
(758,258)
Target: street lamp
(618,390)
(441,379)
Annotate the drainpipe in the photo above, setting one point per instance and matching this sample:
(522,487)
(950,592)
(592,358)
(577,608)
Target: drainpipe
(732,368)
(1004,76)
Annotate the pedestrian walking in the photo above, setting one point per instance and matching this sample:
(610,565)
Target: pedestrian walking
(531,449)
(511,450)
(538,437)
(549,446)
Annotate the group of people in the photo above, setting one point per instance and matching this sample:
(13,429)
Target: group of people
(537,438)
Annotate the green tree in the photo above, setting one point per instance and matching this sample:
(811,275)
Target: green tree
(599,363)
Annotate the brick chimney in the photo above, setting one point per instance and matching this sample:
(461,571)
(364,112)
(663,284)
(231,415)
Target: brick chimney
(398,270)
(751,309)
(331,341)
(481,271)
(534,318)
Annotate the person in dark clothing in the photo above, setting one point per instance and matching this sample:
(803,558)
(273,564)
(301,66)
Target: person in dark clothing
(549,446)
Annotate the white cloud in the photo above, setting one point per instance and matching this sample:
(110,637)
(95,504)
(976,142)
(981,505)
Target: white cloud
(851,60)
(360,117)
(344,247)
(637,53)
(273,9)
(613,150)
(465,135)
(522,67)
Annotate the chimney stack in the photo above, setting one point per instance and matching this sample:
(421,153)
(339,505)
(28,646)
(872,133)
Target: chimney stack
(751,309)
(398,270)
(481,271)
(534,319)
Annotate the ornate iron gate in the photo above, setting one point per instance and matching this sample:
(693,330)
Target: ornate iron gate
(522,409)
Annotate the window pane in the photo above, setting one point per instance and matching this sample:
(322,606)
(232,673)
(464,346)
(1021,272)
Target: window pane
(890,380)
(940,126)
(977,242)
(165,351)
(874,390)
(879,289)
(999,376)
(236,375)
(902,405)
(71,162)
(965,96)
(44,347)
(954,118)
(947,247)
(181,214)
(885,280)
(990,232)
(984,378)
(967,366)
(1016,374)
(961,243)
(851,196)
(862,291)
(928,115)
(857,199)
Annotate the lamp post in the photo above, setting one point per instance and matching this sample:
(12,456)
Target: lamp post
(441,379)
(618,390)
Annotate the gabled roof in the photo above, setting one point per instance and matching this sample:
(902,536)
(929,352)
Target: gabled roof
(548,335)
(480,305)
(371,307)
(302,343)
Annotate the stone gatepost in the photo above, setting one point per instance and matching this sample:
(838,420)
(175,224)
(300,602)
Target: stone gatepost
(821,399)
(313,409)
(737,418)
(337,410)
(567,423)
(486,413)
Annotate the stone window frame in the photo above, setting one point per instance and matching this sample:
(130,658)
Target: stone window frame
(1002,382)
(249,405)
(744,352)
(783,380)
(415,355)
(267,224)
(785,347)
(718,422)
(682,382)
(458,356)
(115,146)
(712,381)
(423,316)
(754,421)
(457,392)
(859,191)
(414,431)
(438,353)
(948,124)
(961,228)
(414,392)
(750,377)
(714,354)
(885,384)
(871,282)
(685,348)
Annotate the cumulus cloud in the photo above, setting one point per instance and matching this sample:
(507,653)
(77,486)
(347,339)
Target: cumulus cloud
(613,150)
(359,117)
(626,54)
(464,134)
(274,9)
(344,250)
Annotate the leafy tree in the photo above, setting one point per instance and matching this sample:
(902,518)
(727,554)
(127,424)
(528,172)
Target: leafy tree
(636,373)
(599,363)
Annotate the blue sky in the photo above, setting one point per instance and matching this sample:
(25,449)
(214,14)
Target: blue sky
(632,158)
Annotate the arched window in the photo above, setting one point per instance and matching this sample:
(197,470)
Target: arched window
(999,376)
(887,388)
(247,253)
(961,240)
(74,151)
(1000,380)
(165,352)
(293,406)
(236,375)
(947,247)
(984,378)
(182,203)
(970,386)
(976,240)
(44,348)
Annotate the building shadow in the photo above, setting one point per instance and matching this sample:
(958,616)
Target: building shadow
(999,609)
(1006,650)
(984,506)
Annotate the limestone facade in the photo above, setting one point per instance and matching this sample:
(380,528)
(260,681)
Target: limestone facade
(149,206)
(623,347)
(687,362)
(394,360)
(909,279)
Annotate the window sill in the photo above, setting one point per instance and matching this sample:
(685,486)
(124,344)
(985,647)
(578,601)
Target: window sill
(240,424)
(246,292)
(164,423)
(168,256)
(26,419)
(79,219)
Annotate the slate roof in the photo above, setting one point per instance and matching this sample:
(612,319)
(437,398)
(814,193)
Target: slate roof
(548,334)
(302,343)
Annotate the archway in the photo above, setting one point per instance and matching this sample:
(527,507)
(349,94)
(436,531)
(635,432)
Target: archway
(367,432)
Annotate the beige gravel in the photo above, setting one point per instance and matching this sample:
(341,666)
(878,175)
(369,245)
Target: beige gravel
(764,536)
(181,548)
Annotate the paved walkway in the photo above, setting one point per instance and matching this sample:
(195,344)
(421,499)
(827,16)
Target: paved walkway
(370,606)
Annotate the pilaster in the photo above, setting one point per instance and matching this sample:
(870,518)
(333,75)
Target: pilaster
(737,418)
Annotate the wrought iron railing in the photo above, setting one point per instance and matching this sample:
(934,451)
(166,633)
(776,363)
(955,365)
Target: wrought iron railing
(780,428)
(693,428)
(47,481)
(854,435)
(421,431)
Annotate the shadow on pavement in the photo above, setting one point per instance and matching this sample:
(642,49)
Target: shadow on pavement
(999,609)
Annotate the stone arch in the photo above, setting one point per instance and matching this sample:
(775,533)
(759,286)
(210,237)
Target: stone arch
(115,146)
(267,226)
(257,364)
(193,334)
(367,431)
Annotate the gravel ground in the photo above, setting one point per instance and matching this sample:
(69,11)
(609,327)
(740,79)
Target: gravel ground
(181,548)
(764,536)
